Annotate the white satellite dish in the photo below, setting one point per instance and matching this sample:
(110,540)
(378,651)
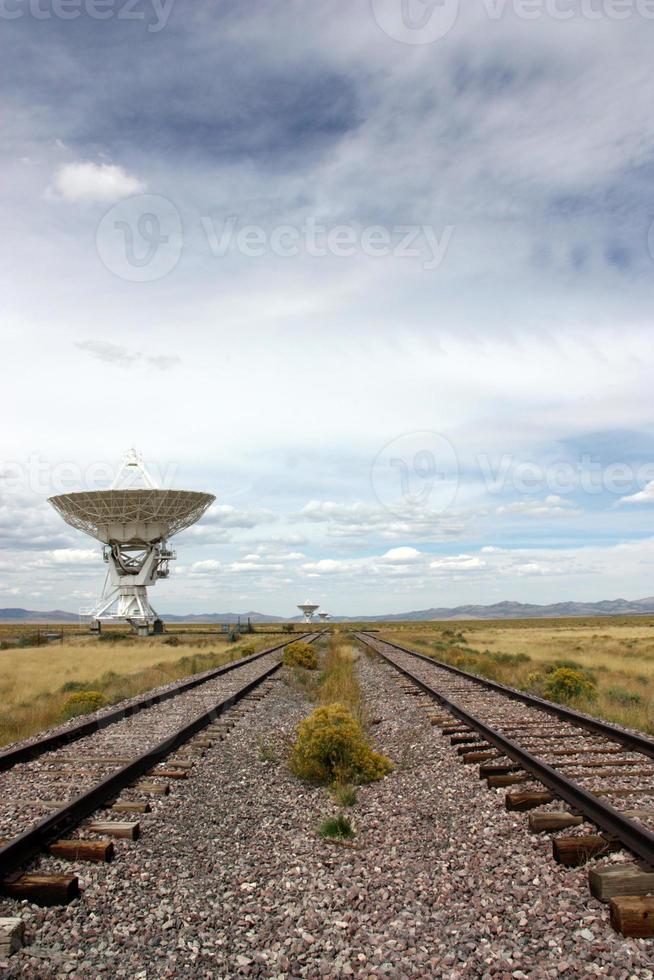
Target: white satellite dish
(324,616)
(134,525)
(308,609)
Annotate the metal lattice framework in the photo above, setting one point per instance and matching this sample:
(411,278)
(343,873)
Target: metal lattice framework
(138,517)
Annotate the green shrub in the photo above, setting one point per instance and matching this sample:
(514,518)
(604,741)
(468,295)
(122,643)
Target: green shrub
(288,628)
(82,703)
(29,640)
(247,650)
(339,827)
(344,795)
(566,685)
(300,654)
(620,695)
(70,686)
(331,748)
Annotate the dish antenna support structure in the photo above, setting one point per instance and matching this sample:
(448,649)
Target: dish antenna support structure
(134,525)
(308,609)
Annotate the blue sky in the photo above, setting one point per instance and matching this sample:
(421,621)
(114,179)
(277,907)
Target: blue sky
(385,290)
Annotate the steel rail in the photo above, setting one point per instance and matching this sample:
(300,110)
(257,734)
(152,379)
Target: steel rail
(31,842)
(631,834)
(24,753)
(631,740)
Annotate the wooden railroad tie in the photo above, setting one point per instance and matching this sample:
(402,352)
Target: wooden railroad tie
(83,850)
(521,800)
(633,915)
(467,747)
(574,851)
(127,806)
(543,820)
(127,830)
(619,879)
(479,756)
(466,739)
(174,773)
(508,779)
(498,769)
(12,936)
(43,889)
(148,786)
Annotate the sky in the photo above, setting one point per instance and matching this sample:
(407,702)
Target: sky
(377,274)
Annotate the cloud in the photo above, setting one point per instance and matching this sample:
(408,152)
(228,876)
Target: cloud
(401,554)
(87,182)
(552,506)
(124,357)
(644,496)
(69,556)
(225,515)
(209,565)
(359,519)
(458,563)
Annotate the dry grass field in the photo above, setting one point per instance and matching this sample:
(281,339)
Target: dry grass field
(35,681)
(614,655)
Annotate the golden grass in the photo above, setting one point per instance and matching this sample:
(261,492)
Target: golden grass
(33,679)
(339,683)
(616,653)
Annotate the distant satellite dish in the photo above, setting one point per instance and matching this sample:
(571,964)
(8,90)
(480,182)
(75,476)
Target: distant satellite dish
(134,525)
(308,609)
(324,616)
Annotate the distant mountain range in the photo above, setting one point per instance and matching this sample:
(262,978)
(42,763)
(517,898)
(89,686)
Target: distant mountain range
(500,610)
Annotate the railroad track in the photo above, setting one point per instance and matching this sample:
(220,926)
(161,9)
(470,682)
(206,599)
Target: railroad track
(53,784)
(603,773)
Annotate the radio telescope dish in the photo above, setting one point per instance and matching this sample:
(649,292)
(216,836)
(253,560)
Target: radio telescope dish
(134,525)
(324,616)
(136,517)
(308,609)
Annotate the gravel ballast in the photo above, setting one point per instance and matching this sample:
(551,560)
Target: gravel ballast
(231,879)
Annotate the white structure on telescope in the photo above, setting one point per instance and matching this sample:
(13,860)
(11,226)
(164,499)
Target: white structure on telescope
(134,525)
(308,609)
(324,616)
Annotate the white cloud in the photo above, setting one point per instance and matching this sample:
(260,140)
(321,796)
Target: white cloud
(70,556)
(401,554)
(552,506)
(209,565)
(458,563)
(225,515)
(644,496)
(87,182)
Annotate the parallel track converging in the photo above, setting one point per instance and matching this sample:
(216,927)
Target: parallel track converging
(123,745)
(518,738)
